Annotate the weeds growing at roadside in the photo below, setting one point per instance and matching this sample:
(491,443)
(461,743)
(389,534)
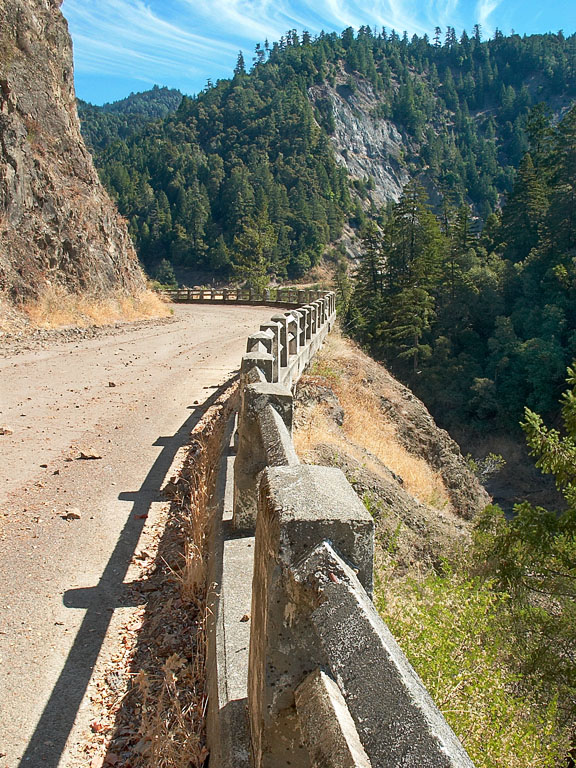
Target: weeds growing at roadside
(454,631)
(56,308)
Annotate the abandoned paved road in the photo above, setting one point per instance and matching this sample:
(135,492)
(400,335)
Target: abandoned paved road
(131,399)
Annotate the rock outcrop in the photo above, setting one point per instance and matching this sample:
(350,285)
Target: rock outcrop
(57,223)
(366,145)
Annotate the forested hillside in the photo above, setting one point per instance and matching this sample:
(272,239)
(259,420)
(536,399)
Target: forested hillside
(466,285)
(120,119)
(480,323)
(243,178)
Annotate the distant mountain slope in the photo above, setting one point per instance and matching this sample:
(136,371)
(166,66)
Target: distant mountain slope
(104,124)
(155,103)
(57,224)
(253,175)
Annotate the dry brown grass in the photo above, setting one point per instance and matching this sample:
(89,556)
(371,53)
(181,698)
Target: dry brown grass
(366,427)
(57,308)
(171,692)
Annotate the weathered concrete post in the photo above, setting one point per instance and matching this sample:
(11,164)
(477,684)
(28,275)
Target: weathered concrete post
(293,333)
(322,311)
(273,330)
(298,508)
(301,315)
(262,360)
(308,310)
(252,455)
(282,321)
(314,328)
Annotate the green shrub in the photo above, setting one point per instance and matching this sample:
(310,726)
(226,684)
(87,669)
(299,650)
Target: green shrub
(454,631)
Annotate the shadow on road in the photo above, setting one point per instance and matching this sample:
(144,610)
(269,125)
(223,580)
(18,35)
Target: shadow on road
(47,744)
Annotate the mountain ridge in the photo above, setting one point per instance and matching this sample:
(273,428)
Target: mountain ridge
(459,110)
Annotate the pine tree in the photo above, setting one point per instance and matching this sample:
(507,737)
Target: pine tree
(533,557)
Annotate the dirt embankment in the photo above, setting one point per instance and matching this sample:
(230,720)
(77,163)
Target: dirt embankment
(353,414)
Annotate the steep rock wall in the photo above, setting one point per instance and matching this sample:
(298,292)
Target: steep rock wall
(57,224)
(366,145)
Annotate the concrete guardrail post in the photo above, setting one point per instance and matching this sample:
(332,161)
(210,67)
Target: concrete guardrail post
(321,312)
(261,360)
(298,507)
(282,321)
(293,333)
(307,309)
(314,324)
(273,330)
(251,457)
(301,315)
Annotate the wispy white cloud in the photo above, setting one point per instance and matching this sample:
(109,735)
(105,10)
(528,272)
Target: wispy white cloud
(184,42)
(484,9)
(181,43)
(443,13)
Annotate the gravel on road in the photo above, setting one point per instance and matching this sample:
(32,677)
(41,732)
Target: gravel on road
(90,424)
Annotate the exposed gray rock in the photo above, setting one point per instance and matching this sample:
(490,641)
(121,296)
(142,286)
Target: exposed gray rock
(368,146)
(57,224)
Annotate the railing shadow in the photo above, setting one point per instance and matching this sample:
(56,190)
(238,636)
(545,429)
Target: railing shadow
(47,744)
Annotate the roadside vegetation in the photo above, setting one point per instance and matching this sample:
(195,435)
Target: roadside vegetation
(57,308)
(483,609)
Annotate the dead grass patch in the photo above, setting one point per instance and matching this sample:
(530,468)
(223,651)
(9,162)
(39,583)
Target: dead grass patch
(57,308)
(365,426)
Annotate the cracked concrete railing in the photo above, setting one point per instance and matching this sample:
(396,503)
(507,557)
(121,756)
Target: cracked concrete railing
(328,686)
(275,358)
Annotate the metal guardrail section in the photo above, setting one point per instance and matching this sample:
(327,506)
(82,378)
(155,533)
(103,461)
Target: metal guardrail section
(328,687)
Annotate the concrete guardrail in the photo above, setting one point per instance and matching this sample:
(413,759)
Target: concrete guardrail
(310,677)
(281,297)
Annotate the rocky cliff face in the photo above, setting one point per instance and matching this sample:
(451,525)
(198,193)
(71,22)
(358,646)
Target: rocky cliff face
(57,224)
(366,145)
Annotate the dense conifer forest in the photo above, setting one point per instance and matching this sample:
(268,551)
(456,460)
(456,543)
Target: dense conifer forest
(481,323)
(251,157)
(466,285)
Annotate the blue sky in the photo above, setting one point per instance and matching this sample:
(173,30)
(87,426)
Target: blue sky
(129,45)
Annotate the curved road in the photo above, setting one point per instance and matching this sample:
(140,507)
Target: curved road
(131,399)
